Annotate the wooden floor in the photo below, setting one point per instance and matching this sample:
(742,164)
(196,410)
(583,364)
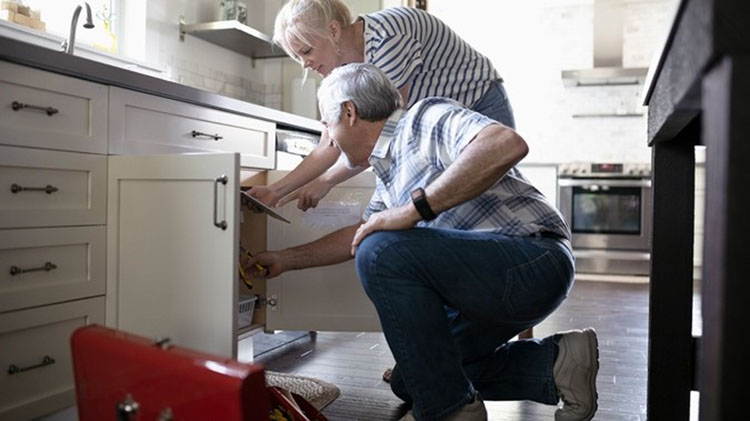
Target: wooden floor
(355,361)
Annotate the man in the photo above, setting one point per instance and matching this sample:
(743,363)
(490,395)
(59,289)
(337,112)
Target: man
(457,251)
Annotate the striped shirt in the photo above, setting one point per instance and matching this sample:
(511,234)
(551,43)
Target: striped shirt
(418,145)
(413,47)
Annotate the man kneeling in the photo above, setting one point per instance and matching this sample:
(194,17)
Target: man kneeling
(457,251)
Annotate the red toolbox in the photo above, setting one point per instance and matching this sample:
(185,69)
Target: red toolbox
(123,376)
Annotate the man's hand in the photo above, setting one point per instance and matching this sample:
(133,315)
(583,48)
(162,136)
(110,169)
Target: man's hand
(264,194)
(272,263)
(402,217)
(309,195)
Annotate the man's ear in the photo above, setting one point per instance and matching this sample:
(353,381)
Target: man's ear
(350,112)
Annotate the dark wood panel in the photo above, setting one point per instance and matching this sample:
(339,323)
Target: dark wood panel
(724,366)
(675,98)
(670,364)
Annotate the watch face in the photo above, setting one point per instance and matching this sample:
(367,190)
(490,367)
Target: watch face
(416,194)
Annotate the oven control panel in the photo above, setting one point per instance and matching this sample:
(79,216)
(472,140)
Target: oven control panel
(605,169)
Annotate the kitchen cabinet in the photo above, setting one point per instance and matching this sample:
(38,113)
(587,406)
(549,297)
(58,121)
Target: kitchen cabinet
(53,141)
(172,232)
(116,223)
(35,356)
(45,110)
(147,124)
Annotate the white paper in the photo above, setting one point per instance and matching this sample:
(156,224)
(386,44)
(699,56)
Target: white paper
(332,214)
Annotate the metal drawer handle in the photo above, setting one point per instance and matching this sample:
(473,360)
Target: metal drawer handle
(15,188)
(14,369)
(216,137)
(20,105)
(15,270)
(223,180)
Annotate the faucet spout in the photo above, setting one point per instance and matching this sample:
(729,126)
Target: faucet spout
(69,44)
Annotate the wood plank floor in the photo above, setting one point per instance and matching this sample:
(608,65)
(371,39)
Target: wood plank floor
(355,361)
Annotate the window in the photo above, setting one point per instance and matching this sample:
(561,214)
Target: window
(105,13)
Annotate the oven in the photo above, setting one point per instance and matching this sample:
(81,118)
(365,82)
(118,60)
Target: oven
(608,209)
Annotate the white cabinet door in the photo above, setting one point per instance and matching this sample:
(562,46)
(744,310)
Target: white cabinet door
(171,268)
(325,298)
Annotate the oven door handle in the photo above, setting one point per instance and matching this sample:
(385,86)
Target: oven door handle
(566,182)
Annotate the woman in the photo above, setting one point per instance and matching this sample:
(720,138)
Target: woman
(421,55)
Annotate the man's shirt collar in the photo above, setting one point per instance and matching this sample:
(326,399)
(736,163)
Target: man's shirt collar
(380,150)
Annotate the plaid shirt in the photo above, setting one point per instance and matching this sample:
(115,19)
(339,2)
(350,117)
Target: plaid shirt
(417,146)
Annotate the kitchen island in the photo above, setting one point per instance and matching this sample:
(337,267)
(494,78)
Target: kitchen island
(698,95)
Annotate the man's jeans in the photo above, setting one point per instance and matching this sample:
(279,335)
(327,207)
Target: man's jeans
(449,301)
(495,105)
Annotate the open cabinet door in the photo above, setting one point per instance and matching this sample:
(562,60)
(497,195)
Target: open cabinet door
(326,298)
(172,248)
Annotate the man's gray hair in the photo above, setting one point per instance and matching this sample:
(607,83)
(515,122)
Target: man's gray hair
(373,94)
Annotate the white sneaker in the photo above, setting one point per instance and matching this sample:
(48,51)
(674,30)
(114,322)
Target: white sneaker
(474,411)
(575,372)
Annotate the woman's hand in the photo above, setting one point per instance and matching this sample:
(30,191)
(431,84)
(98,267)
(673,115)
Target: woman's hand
(402,217)
(309,195)
(264,194)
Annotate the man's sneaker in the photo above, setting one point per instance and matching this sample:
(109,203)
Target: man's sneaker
(474,411)
(575,375)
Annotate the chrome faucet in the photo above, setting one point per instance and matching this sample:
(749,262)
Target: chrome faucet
(69,44)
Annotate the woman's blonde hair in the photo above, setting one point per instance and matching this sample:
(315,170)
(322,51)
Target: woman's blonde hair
(306,20)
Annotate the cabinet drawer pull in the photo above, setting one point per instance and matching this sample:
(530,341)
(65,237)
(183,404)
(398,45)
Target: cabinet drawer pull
(15,270)
(15,188)
(14,369)
(216,137)
(20,106)
(223,180)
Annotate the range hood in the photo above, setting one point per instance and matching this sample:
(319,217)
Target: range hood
(607,70)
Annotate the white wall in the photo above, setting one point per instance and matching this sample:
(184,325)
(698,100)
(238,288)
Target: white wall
(531,42)
(207,66)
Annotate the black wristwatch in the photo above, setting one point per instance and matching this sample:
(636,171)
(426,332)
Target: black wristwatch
(420,202)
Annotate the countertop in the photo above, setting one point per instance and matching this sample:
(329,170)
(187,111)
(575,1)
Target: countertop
(46,59)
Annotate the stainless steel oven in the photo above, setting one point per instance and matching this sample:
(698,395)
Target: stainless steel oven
(608,208)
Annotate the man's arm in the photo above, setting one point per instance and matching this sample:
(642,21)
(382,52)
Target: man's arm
(492,152)
(328,250)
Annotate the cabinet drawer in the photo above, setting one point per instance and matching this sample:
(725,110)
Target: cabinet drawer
(78,124)
(49,265)
(146,124)
(80,181)
(28,336)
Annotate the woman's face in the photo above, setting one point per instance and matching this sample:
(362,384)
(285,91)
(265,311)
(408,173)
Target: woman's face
(320,55)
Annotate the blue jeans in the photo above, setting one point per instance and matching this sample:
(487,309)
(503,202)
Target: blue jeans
(495,105)
(492,286)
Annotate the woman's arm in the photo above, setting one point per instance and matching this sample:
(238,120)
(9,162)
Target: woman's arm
(315,164)
(309,195)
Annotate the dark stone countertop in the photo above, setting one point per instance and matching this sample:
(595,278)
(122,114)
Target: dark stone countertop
(20,52)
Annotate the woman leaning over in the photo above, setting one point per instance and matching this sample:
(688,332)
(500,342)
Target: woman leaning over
(421,55)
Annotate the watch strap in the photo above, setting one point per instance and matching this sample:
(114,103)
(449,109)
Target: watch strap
(419,198)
